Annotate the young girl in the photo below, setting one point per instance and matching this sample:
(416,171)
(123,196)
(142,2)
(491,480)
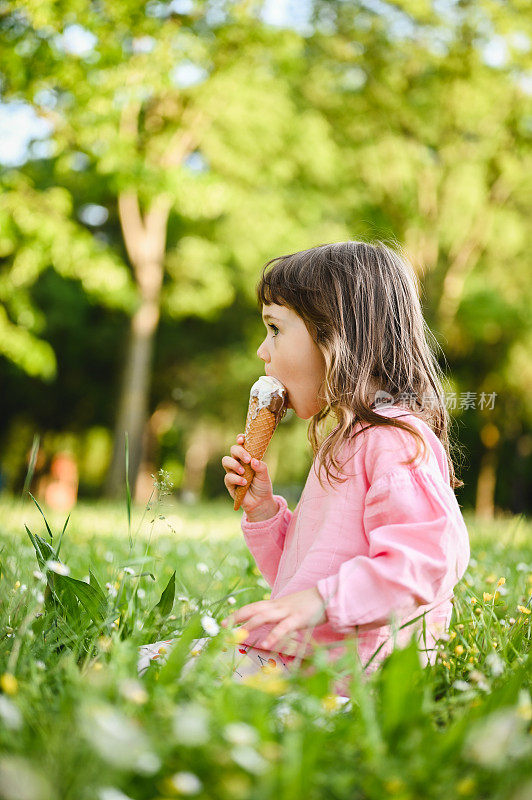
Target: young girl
(377,538)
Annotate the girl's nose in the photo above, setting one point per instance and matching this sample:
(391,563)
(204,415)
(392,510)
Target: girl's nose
(261,352)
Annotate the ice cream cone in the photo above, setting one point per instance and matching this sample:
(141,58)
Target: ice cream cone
(266,409)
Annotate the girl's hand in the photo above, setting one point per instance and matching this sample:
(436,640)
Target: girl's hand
(260,491)
(292,613)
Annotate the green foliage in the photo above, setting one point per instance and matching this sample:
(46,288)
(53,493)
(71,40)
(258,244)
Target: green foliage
(71,696)
(384,121)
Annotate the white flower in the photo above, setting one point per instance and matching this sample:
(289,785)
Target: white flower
(9,714)
(57,567)
(202,567)
(134,691)
(110,793)
(495,664)
(117,739)
(240,733)
(209,625)
(112,591)
(141,594)
(231,600)
(186,783)
(248,758)
(37,574)
(496,738)
(191,724)
(129,571)
(462,686)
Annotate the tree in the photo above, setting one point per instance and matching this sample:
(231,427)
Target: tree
(123,97)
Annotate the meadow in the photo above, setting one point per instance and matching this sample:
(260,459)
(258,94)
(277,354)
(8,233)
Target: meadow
(77,722)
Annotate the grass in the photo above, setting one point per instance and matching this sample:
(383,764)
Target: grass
(76,722)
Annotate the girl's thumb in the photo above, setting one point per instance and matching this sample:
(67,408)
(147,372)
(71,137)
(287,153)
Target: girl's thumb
(258,466)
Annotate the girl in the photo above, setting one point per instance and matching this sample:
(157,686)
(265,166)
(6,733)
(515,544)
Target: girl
(377,538)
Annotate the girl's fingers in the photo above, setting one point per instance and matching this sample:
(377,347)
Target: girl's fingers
(231,479)
(276,634)
(231,464)
(247,611)
(240,454)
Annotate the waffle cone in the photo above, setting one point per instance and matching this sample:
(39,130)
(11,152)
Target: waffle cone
(258,434)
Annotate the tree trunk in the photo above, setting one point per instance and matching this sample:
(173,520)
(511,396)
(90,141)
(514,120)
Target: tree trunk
(203,443)
(133,404)
(485,502)
(145,241)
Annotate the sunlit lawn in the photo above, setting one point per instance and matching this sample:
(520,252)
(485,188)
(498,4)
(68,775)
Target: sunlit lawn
(75,722)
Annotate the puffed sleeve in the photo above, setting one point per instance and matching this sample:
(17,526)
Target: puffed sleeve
(418,551)
(265,540)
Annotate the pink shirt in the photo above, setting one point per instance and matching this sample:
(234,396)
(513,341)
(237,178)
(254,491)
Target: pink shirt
(383,547)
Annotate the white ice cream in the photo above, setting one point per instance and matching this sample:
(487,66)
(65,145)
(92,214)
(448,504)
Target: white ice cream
(264,388)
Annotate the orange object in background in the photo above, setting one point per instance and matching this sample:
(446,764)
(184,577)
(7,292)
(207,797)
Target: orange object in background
(59,489)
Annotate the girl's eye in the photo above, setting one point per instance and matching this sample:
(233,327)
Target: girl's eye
(274,328)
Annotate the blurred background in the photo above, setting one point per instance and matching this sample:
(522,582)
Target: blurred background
(153,156)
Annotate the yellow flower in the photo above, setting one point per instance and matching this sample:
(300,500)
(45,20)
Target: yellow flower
(452,635)
(269,683)
(266,595)
(487,596)
(501,581)
(466,786)
(330,702)
(523,609)
(8,683)
(459,649)
(490,578)
(238,635)
(394,785)
(473,601)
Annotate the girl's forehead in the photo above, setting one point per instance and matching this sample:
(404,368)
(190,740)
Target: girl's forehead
(273,310)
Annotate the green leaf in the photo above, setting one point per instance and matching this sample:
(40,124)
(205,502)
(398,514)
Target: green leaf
(90,598)
(94,583)
(401,695)
(165,604)
(180,651)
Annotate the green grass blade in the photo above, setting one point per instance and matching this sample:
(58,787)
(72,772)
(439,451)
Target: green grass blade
(61,537)
(128,494)
(44,518)
(31,464)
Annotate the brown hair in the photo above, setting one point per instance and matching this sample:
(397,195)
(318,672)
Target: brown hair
(360,303)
